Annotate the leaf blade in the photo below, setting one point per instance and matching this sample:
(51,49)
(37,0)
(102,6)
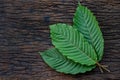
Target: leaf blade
(69,42)
(62,64)
(86,23)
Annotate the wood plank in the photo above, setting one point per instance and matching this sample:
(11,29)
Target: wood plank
(24,30)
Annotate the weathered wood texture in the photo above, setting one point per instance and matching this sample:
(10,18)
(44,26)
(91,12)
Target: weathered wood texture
(24,31)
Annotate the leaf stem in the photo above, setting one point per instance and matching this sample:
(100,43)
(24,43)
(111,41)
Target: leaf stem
(101,70)
(102,67)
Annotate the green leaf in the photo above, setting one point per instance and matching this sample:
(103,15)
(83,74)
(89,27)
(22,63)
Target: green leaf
(62,64)
(86,23)
(72,44)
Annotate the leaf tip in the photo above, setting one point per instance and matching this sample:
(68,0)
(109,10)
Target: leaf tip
(51,26)
(79,2)
(40,53)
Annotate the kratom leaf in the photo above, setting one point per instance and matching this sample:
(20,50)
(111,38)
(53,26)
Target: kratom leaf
(86,23)
(62,64)
(72,44)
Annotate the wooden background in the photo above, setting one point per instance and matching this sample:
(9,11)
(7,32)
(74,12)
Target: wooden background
(24,31)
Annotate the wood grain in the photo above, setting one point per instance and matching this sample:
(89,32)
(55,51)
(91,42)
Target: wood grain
(24,30)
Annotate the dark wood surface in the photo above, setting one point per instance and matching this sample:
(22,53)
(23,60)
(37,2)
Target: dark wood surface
(24,30)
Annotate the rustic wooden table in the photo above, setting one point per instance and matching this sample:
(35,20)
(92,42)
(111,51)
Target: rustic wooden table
(24,31)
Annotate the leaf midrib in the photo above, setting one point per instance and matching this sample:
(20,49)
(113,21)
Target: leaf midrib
(87,28)
(77,47)
(60,57)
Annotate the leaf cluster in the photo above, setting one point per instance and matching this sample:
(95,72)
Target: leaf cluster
(78,48)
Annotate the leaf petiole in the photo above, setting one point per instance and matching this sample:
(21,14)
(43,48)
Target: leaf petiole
(102,67)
